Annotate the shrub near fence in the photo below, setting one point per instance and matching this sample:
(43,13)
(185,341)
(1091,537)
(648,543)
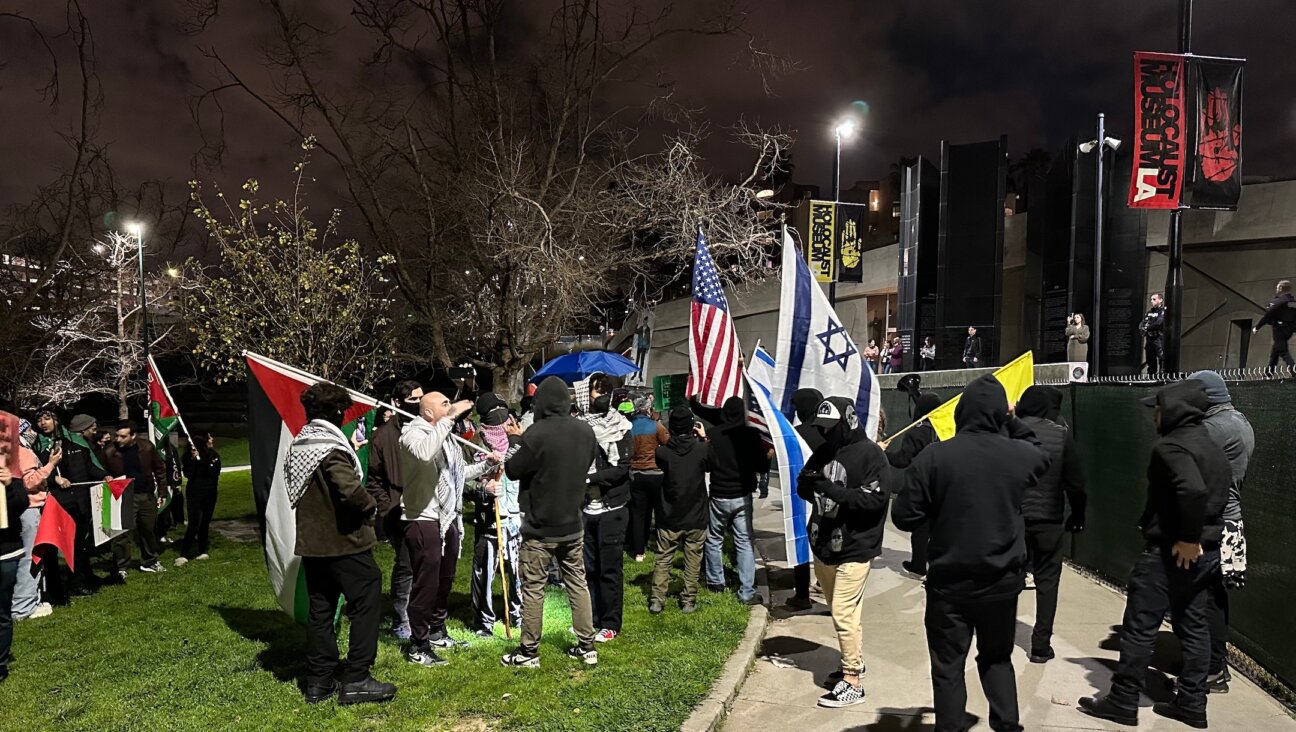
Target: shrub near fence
(1114,432)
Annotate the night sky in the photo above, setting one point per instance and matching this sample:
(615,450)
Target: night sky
(1037,70)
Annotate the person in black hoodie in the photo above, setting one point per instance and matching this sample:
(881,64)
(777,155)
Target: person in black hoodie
(681,510)
(735,456)
(901,453)
(607,515)
(1182,523)
(202,466)
(551,460)
(847,481)
(1043,511)
(806,402)
(969,490)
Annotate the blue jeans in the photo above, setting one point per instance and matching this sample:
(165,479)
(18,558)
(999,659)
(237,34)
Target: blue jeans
(26,594)
(735,513)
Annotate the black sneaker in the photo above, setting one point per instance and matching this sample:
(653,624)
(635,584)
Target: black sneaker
(424,656)
(1170,710)
(909,567)
(715,588)
(1102,707)
(755,599)
(799,603)
(520,659)
(1042,655)
(316,693)
(589,658)
(655,607)
(444,641)
(1219,683)
(367,690)
(842,695)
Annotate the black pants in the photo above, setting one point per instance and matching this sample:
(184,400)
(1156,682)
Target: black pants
(645,492)
(76,502)
(357,578)
(1217,604)
(1154,352)
(434,573)
(801,581)
(145,532)
(918,540)
(484,568)
(604,568)
(950,627)
(1157,586)
(1280,350)
(202,503)
(8,579)
(1044,547)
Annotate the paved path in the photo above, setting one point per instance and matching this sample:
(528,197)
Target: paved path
(799,652)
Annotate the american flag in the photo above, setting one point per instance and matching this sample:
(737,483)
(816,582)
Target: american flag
(714,375)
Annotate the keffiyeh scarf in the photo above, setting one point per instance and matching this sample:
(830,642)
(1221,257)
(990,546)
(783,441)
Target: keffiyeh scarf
(308,449)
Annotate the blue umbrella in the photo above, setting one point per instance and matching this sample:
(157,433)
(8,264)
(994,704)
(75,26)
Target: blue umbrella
(573,367)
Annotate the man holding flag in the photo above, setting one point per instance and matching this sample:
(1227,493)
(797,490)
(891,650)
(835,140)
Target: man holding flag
(133,456)
(79,472)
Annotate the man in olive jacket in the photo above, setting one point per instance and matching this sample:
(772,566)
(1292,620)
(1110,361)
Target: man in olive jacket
(335,539)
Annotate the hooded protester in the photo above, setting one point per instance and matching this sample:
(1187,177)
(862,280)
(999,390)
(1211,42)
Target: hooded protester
(435,474)
(806,403)
(645,475)
(1042,509)
(34,475)
(1182,523)
(384,482)
(335,539)
(552,460)
(607,516)
(493,419)
(682,511)
(901,453)
(847,482)
(969,490)
(735,456)
(1231,430)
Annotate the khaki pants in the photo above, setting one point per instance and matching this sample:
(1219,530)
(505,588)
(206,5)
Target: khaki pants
(534,559)
(667,544)
(843,588)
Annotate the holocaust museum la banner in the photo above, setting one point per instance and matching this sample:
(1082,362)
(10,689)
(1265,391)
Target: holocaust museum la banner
(819,244)
(1158,131)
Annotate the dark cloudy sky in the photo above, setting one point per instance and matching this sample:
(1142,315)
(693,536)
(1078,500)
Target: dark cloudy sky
(926,69)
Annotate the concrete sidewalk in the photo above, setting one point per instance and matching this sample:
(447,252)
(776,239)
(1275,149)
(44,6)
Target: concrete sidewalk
(800,650)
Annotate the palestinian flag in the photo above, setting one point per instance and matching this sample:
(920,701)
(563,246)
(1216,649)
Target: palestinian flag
(113,505)
(163,415)
(275,416)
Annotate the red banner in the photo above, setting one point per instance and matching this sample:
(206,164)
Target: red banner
(1159,134)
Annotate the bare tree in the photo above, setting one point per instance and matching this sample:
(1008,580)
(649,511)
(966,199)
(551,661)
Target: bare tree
(482,150)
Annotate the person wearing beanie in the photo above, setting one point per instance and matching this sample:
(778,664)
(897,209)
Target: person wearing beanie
(648,434)
(1231,430)
(493,421)
(681,510)
(901,453)
(551,460)
(735,455)
(1182,523)
(1043,511)
(806,402)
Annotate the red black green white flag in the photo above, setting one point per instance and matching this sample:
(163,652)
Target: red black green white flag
(113,506)
(163,414)
(275,416)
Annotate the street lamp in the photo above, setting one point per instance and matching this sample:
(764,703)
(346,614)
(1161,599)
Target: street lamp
(137,230)
(843,130)
(1100,143)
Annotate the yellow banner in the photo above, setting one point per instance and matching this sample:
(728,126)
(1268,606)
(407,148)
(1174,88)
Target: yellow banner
(819,245)
(1016,377)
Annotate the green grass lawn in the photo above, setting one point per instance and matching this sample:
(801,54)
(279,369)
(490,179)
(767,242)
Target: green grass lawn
(205,647)
(233,451)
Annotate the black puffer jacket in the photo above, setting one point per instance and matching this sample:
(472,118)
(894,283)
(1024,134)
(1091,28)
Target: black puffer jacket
(552,462)
(1038,409)
(736,455)
(849,497)
(969,489)
(1188,475)
(683,504)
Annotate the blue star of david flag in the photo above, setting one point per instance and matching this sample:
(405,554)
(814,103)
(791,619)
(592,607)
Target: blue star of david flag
(814,349)
(791,452)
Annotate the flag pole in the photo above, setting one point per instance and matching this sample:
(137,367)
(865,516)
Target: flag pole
(167,390)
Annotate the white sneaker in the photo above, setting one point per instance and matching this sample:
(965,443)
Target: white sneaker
(202,557)
(181,561)
(154,568)
(42,610)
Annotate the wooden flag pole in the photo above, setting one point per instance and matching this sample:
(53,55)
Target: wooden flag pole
(504,579)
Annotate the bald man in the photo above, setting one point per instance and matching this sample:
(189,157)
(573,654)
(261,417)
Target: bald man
(434,471)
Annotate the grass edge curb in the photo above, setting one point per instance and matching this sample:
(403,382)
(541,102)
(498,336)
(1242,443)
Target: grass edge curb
(707,716)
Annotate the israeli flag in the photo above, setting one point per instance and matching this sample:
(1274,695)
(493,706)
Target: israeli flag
(791,452)
(814,350)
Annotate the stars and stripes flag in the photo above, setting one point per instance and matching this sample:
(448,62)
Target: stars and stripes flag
(714,375)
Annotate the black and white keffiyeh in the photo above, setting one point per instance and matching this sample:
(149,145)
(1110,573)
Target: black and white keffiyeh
(308,449)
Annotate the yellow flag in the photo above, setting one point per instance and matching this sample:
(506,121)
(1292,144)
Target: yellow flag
(1016,377)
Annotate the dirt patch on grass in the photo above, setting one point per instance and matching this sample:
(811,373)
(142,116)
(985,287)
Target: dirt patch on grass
(237,529)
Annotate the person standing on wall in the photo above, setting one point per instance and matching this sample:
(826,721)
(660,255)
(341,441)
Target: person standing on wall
(973,350)
(1077,334)
(1281,316)
(1153,330)
(927,355)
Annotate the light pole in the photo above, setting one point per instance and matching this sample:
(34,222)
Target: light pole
(137,230)
(1174,270)
(1100,143)
(844,129)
